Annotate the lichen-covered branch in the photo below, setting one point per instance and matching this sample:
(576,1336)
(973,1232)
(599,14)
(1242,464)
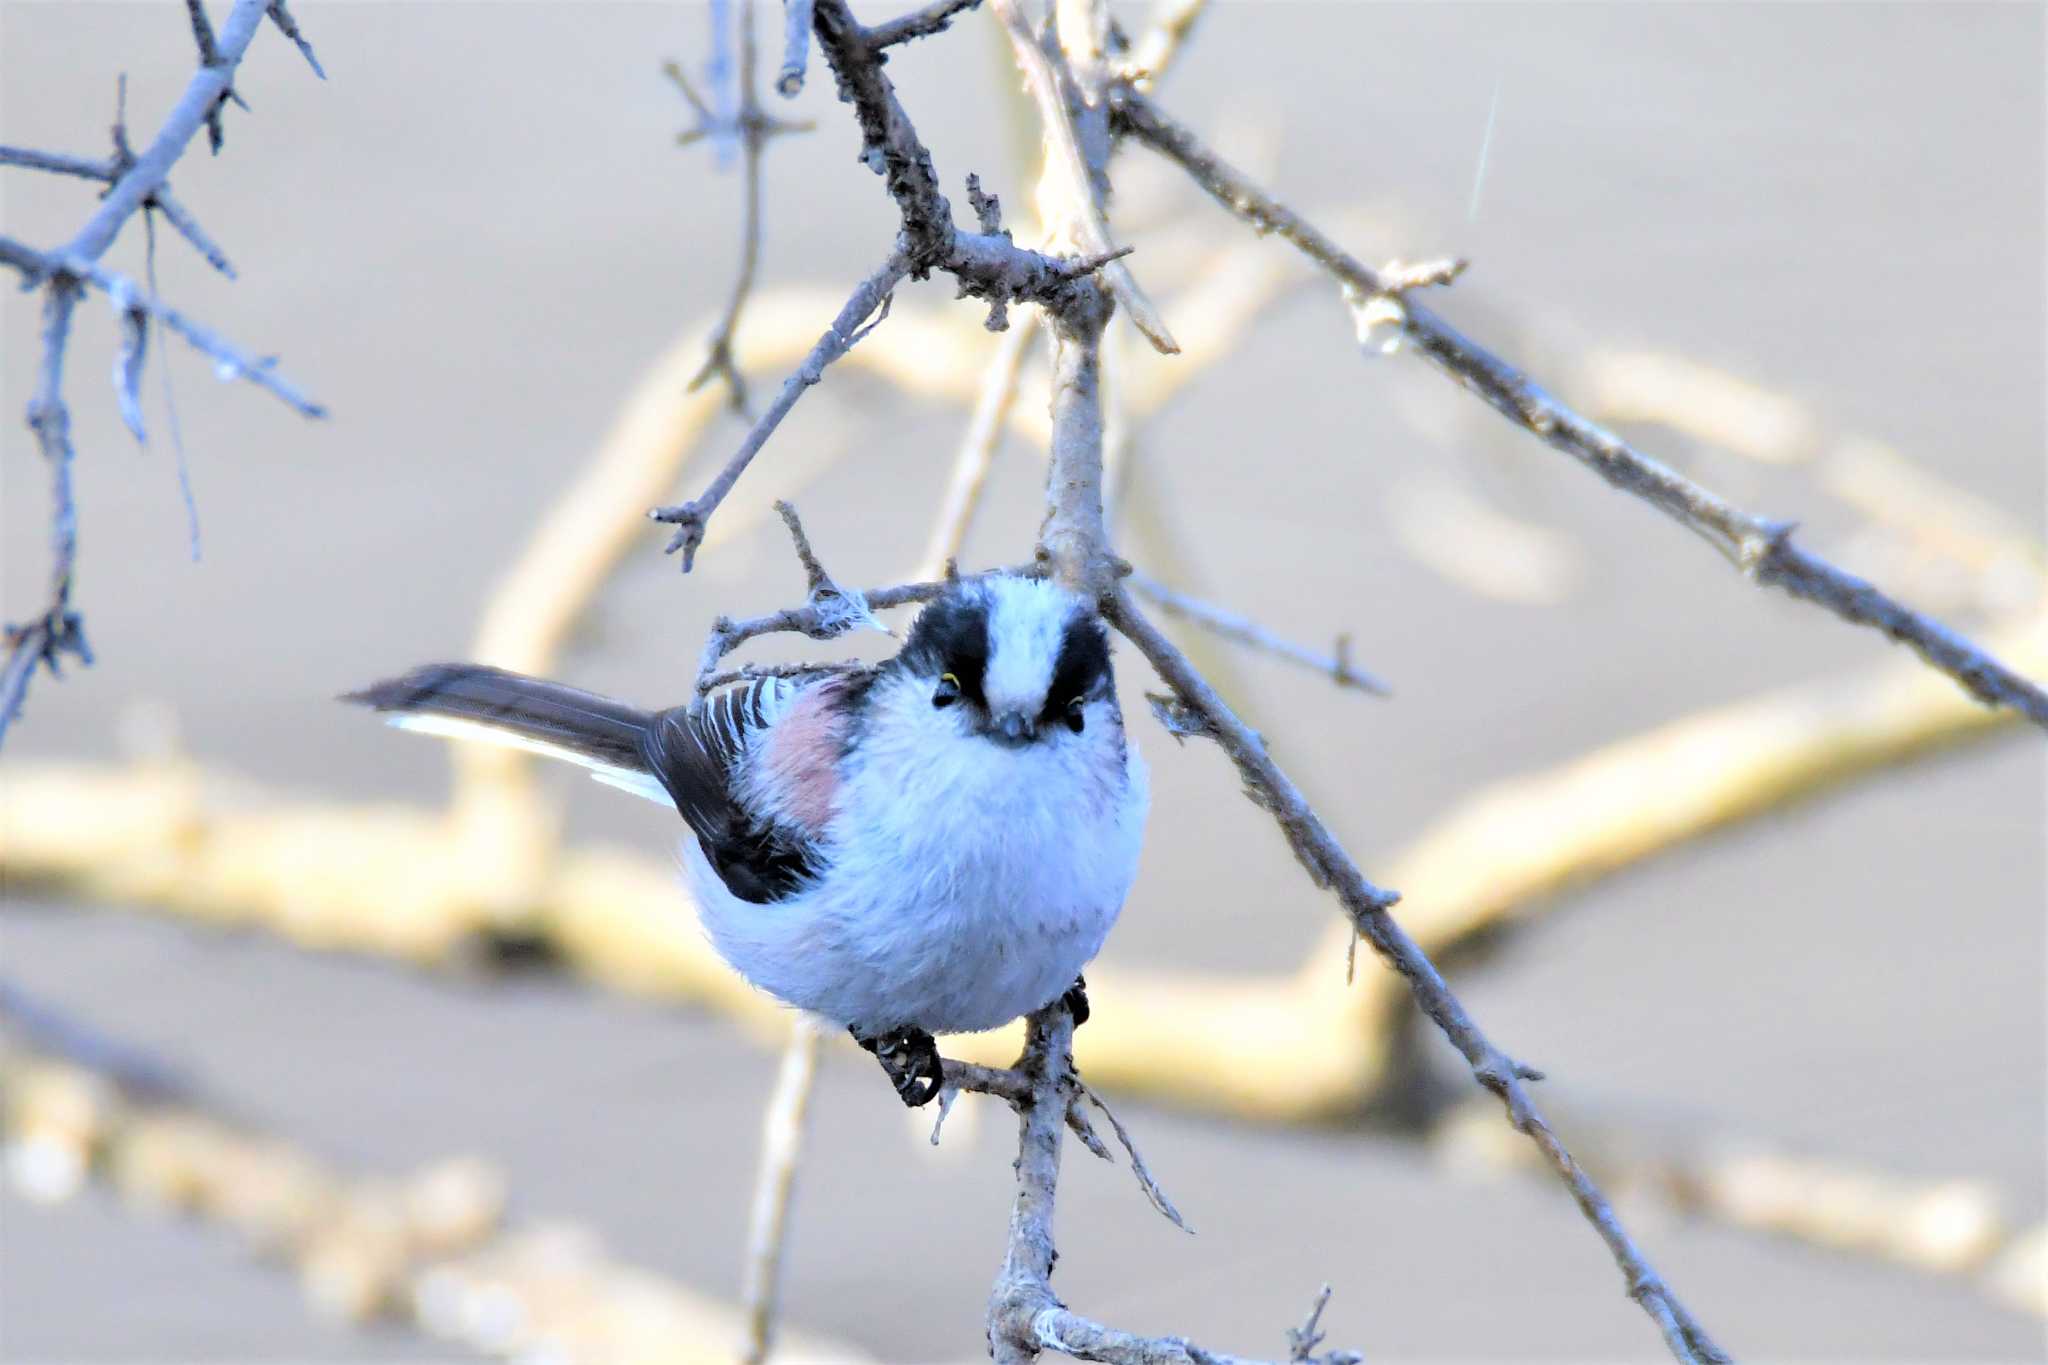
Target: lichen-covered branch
(1760,547)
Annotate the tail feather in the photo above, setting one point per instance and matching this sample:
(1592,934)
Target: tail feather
(479,702)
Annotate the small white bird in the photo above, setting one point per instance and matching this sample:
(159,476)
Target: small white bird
(935,845)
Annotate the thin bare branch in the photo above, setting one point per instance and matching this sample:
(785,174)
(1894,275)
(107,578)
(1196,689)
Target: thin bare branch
(1760,547)
(1063,146)
(57,630)
(1146,1181)
(135,182)
(932,19)
(782,1140)
(1231,626)
(873,294)
(209,56)
(1331,868)
(110,171)
(753,128)
(230,361)
(1024,1315)
(163,369)
(796,50)
(978,447)
(1171,24)
(28,158)
(289,27)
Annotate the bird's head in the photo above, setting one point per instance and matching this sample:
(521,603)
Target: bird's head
(1016,661)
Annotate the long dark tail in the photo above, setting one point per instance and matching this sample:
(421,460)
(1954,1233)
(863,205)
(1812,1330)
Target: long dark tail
(595,731)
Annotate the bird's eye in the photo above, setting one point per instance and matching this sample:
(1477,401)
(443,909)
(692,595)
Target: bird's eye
(948,691)
(1075,721)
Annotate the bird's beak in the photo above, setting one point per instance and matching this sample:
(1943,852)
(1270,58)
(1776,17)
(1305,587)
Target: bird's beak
(1012,728)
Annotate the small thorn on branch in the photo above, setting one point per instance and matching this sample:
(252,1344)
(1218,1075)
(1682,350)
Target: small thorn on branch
(988,208)
(1303,1340)
(289,27)
(1074,267)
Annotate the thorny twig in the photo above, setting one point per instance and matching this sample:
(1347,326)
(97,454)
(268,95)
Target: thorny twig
(1760,547)
(987,266)
(135,182)
(1231,626)
(1331,868)
(846,330)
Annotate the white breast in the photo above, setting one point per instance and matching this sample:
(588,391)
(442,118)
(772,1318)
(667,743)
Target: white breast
(968,883)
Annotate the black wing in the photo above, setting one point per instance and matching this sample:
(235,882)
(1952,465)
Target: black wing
(696,758)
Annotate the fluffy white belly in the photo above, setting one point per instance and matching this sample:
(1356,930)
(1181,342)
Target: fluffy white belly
(959,896)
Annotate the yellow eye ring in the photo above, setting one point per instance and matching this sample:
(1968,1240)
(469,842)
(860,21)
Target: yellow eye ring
(952,678)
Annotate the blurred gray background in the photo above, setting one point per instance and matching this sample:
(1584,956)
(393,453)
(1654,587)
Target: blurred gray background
(471,240)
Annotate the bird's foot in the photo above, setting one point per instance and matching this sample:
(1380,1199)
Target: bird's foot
(1076,1000)
(910,1056)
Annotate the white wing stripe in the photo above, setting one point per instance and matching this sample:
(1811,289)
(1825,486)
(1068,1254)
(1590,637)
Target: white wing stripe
(640,784)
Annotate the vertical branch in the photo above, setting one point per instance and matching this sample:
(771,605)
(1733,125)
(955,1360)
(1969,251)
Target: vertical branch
(782,1140)
(1023,1287)
(1073,536)
(978,447)
(58,631)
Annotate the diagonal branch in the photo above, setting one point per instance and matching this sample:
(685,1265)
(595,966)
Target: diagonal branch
(1331,868)
(753,127)
(1760,547)
(978,447)
(1246,631)
(926,22)
(690,518)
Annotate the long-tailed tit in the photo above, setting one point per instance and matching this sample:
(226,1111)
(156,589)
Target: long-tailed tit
(935,845)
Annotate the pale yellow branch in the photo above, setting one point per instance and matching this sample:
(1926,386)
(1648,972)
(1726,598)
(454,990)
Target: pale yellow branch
(427,1250)
(388,880)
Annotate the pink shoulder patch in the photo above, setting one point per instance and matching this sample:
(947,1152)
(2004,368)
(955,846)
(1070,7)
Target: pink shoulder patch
(803,755)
